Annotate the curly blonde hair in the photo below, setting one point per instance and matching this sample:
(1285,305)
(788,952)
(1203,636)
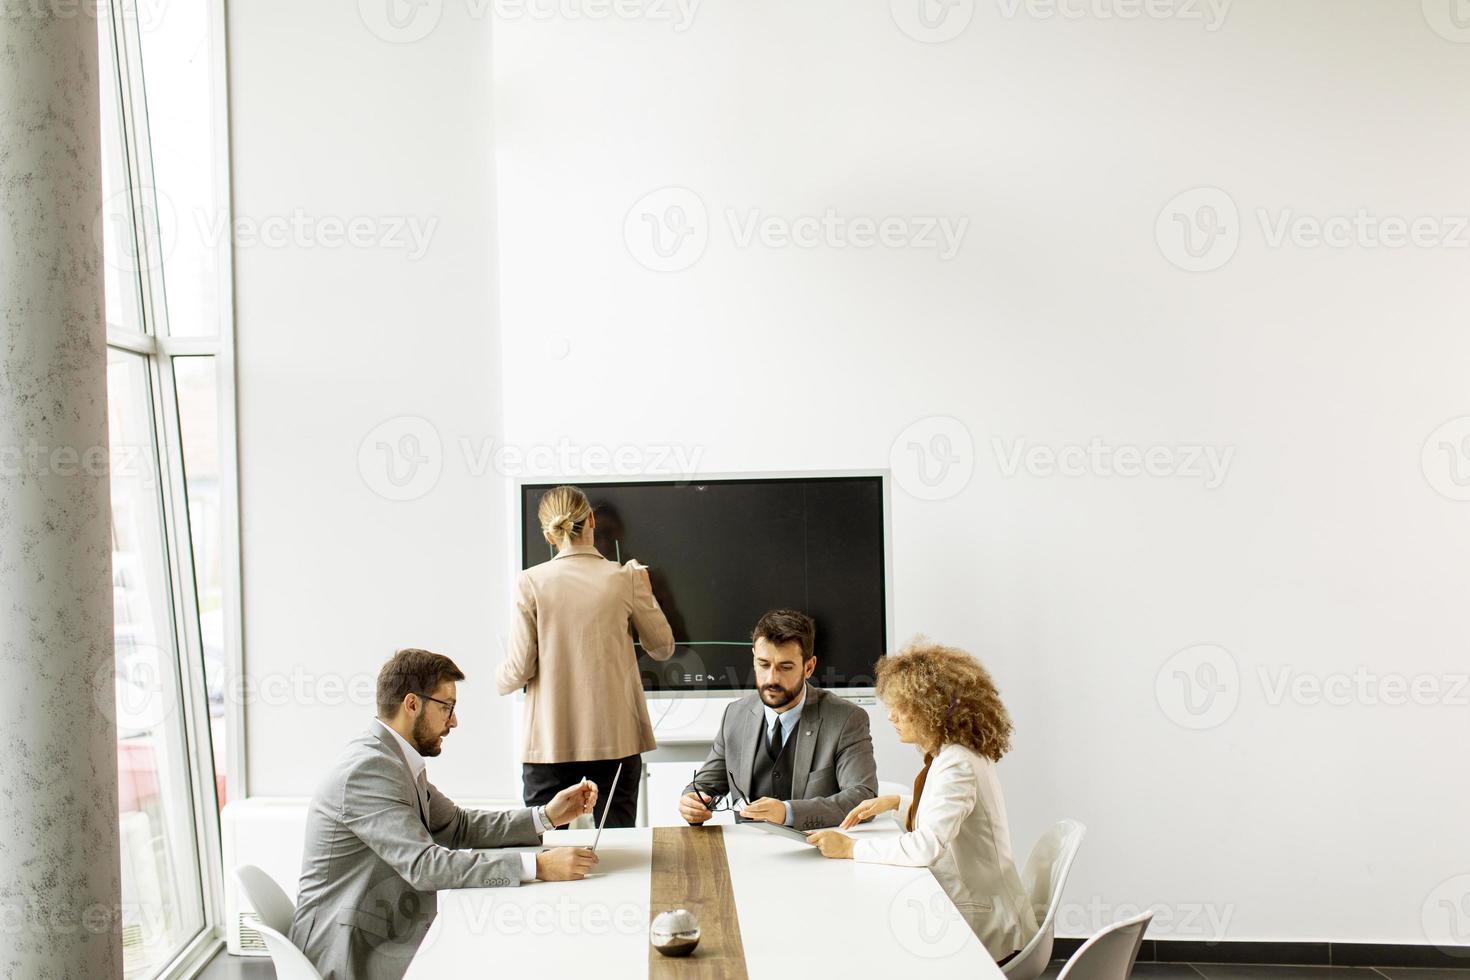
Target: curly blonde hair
(947,696)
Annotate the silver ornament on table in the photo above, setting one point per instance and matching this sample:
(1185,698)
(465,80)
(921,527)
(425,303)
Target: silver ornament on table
(674,933)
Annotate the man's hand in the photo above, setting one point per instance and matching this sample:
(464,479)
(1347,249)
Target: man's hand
(564,863)
(831,843)
(694,807)
(572,802)
(867,810)
(767,809)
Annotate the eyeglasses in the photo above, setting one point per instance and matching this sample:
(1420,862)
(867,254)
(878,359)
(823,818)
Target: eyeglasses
(448,704)
(726,801)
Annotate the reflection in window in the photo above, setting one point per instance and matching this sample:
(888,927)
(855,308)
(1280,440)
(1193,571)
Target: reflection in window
(198,395)
(162,907)
(179,79)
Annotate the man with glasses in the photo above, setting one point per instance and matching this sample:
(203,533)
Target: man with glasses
(381,840)
(805,755)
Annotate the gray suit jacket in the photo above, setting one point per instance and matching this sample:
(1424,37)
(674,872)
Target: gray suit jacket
(377,851)
(833,770)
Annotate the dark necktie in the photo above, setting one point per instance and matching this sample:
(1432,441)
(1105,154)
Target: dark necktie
(773,747)
(919,789)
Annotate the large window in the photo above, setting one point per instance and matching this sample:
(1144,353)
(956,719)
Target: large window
(163,230)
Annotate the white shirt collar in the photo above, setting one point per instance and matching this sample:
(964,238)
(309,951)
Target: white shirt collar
(416,764)
(789,717)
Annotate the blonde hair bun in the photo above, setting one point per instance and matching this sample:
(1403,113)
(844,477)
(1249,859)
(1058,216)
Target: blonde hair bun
(563,512)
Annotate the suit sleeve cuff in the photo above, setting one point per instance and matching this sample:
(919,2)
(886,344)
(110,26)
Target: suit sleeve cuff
(528,867)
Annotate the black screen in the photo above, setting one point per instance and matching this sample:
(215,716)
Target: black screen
(722,553)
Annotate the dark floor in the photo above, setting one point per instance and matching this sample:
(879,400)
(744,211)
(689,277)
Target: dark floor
(225,967)
(1220,971)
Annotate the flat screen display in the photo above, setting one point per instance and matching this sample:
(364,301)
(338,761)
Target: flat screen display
(723,552)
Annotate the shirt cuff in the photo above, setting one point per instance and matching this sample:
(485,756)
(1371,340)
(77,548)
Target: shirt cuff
(543,823)
(528,867)
(787,805)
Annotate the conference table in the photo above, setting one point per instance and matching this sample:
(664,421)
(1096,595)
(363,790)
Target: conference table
(767,906)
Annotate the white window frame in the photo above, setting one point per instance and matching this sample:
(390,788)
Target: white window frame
(159,349)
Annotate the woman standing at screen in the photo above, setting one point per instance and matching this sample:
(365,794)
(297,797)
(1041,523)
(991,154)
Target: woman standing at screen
(941,700)
(571,648)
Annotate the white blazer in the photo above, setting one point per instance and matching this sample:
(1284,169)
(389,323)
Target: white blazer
(960,834)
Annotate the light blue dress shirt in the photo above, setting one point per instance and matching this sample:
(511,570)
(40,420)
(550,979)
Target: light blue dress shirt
(788,720)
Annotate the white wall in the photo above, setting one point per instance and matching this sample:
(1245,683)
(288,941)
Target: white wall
(1325,549)
(332,122)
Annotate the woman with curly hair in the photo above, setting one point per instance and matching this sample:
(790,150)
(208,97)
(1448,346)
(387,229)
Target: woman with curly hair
(941,700)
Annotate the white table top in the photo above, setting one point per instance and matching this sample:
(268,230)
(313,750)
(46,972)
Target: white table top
(798,911)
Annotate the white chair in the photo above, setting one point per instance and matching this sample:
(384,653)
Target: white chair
(275,912)
(271,905)
(290,962)
(1045,876)
(1110,954)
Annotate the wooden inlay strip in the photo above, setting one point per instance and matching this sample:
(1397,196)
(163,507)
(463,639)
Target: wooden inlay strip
(690,871)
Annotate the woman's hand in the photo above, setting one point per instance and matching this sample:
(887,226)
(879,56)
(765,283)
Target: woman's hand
(867,810)
(831,843)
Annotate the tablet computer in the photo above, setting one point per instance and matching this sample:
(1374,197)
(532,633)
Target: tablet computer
(781,830)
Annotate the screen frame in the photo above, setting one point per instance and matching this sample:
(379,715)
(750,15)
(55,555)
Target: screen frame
(517,521)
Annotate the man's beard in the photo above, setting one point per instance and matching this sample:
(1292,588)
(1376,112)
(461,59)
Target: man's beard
(782,696)
(424,739)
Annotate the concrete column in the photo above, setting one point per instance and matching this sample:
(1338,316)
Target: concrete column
(59,876)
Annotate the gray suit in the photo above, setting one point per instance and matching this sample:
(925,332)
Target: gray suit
(832,771)
(377,850)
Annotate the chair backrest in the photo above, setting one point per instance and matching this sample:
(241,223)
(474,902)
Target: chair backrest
(1045,878)
(1110,954)
(290,962)
(265,896)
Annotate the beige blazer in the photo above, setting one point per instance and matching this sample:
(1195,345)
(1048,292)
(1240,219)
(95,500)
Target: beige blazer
(960,833)
(571,647)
